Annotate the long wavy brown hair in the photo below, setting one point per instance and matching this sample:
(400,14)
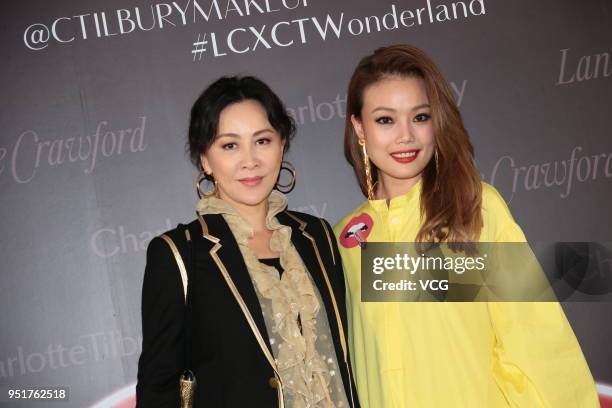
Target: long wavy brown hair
(451,196)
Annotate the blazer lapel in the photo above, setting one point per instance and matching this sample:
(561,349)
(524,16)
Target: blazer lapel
(226,254)
(309,252)
(305,248)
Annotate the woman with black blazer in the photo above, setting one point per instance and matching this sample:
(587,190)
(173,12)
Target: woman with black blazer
(248,300)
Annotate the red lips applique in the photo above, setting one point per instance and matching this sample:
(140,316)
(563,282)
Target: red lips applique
(356,231)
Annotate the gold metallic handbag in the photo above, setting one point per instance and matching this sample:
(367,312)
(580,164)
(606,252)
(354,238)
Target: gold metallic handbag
(187,380)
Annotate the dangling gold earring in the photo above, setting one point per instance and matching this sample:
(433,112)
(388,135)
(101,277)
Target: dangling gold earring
(367,168)
(286,188)
(200,177)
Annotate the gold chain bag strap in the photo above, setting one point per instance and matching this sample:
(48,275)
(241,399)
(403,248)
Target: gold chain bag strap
(187,381)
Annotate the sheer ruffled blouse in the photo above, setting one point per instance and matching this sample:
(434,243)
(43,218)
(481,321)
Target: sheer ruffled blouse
(297,324)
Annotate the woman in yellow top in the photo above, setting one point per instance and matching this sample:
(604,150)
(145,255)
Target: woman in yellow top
(414,160)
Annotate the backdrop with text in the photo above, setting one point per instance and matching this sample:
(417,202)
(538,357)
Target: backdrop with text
(94,120)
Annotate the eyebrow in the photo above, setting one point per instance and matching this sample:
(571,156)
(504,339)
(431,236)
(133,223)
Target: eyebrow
(423,105)
(229,134)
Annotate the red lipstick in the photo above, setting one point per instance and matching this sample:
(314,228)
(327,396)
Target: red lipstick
(405,156)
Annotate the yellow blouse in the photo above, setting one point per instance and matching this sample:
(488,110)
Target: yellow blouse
(408,355)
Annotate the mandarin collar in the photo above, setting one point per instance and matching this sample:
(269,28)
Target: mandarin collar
(398,202)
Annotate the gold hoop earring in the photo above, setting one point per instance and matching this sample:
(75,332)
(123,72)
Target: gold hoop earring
(199,178)
(368,169)
(286,188)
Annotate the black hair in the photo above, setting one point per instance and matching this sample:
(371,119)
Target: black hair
(206,110)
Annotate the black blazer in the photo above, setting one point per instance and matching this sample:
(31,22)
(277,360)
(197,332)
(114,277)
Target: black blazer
(231,366)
